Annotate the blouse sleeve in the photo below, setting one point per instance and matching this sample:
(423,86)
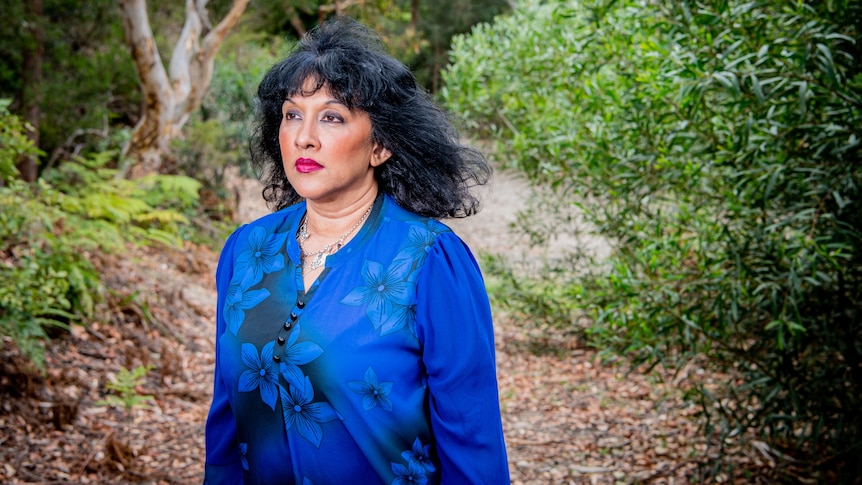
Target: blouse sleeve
(454,325)
(223,464)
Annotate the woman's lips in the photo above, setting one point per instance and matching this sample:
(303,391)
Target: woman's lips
(307,165)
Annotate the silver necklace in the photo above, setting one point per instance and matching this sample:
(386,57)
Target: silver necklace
(319,257)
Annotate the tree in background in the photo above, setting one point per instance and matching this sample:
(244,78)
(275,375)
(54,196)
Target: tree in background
(31,83)
(84,83)
(170,95)
(716,145)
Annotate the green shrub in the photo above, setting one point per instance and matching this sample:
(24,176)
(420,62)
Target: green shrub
(14,143)
(717,147)
(49,230)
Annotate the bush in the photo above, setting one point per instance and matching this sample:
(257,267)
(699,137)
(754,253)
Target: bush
(717,145)
(14,144)
(50,229)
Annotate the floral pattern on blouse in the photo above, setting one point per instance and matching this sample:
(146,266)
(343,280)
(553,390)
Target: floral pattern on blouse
(262,256)
(261,373)
(373,392)
(384,294)
(241,298)
(303,414)
(411,474)
(297,354)
(421,455)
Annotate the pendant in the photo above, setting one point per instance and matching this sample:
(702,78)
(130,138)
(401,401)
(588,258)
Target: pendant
(318,261)
(302,235)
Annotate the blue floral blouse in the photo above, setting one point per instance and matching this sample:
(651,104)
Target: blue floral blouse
(383,372)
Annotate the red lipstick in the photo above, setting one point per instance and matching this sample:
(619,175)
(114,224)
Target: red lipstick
(307,165)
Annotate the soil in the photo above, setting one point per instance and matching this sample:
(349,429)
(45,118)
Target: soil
(568,418)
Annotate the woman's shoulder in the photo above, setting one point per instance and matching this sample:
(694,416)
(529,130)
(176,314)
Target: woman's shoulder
(412,220)
(265,235)
(263,229)
(423,234)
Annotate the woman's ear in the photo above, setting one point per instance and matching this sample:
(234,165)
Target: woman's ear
(379,155)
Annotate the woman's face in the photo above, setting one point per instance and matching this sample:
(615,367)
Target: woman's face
(327,149)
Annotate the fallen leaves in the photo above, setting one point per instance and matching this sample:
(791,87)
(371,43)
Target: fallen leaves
(54,431)
(569,419)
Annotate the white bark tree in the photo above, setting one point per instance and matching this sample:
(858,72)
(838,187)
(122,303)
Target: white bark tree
(169,95)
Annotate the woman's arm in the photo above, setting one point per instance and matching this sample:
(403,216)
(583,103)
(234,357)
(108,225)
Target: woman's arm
(454,325)
(223,463)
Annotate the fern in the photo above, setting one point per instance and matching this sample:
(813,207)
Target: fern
(177,191)
(162,217)
(47,228)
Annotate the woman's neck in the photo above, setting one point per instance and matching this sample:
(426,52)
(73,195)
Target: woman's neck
(327,221)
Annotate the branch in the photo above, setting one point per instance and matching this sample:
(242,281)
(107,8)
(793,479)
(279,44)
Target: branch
(296,22)
(192,61)
(185,50)
(70,149)
(214,38)
(145,54)
(203,13)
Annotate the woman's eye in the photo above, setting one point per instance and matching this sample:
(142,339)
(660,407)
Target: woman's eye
(332,118)
(290,115)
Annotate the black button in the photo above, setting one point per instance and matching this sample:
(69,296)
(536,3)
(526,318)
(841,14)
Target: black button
(293,316)
(276,358)
(288,325)
(300,304)
(280,340)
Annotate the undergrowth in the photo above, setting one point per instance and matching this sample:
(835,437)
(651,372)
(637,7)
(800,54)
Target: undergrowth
(52,231)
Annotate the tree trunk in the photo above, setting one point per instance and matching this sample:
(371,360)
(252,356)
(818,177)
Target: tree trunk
(413,27)
(296,22)
(414,15)
(31,84)
(439,56)
(169,97)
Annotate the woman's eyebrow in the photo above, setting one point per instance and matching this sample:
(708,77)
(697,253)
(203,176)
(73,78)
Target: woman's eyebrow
(331,101)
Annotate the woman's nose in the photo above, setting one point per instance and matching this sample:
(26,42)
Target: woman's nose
(306,136)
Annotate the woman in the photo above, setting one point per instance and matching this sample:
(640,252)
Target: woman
(354,341)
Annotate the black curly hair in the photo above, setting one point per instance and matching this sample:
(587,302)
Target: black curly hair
(430,172)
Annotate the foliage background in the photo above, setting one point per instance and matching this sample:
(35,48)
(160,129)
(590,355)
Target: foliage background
(717,146)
